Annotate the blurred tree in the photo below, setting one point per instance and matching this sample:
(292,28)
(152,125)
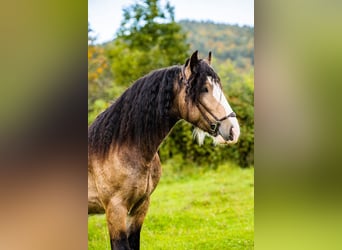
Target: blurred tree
(99,76)
(149,38)
(241,98)
(91,38)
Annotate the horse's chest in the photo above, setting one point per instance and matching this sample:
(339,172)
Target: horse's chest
(129,182)
(140,184)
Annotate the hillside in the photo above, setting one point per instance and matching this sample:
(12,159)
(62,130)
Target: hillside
(226,41)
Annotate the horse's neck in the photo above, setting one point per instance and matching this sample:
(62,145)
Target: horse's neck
(149,149)
(156,125)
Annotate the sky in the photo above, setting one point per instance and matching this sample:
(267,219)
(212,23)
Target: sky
(105,16)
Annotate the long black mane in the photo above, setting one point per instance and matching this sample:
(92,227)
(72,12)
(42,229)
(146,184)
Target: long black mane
(139,116)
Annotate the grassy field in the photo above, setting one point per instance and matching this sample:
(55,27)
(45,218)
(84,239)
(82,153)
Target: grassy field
(199,209)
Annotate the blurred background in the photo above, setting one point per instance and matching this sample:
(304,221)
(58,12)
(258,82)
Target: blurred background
(44,116)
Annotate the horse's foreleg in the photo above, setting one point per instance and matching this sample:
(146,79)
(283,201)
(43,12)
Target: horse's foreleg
(116,220)
(134,224)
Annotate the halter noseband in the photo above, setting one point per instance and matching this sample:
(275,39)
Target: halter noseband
(214,126)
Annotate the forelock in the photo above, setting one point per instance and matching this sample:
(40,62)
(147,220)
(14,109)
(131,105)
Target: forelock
(198,79)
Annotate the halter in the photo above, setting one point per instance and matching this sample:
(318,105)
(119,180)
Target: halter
(214,126)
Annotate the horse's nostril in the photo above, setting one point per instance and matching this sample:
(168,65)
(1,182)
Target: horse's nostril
(231,136)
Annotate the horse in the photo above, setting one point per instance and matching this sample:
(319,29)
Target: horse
(123,163)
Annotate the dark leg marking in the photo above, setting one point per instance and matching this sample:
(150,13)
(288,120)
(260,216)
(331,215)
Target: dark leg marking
(134,239)
(121,243)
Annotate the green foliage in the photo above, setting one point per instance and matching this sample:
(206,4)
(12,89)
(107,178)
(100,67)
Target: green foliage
(99,78)
(181,145)
(148,39)
(239,88)
(201,209)
(242,99)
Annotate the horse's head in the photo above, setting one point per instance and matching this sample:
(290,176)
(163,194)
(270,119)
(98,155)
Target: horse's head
(202,102)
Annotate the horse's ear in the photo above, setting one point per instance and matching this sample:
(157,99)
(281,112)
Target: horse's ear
(191,64)
(209,58)
(194,61)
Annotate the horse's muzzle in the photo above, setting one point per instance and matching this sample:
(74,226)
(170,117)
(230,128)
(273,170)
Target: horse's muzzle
(229,130)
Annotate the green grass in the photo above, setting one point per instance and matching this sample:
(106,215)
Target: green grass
(202,209)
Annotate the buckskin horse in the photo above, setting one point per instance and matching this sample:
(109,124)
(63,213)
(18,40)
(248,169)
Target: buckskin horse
(123,162)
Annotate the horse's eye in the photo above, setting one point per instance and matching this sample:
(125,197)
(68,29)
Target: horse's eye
(205,90)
